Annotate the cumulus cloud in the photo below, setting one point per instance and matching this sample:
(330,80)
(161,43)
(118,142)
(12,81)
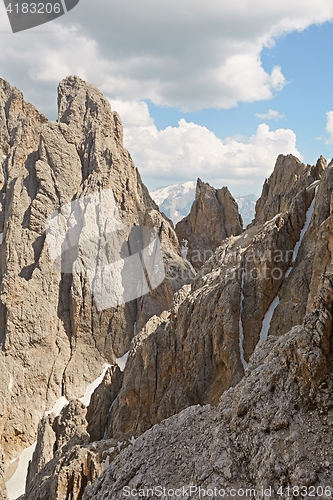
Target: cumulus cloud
(189,54)
(191,150)
(329,127)
(271,114)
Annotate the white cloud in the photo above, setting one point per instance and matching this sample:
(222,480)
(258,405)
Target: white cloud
(191,150)
(271,114)
(189,54)
(329,127)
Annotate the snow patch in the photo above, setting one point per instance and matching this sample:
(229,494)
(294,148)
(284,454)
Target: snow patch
(58,406)
(91,387)
(272,220)
(266,322)
(16,484)
(245,236)
(308,218)
(241,331)
(184,251)
(1,238)
(132,440)
(121,362)
(10,383)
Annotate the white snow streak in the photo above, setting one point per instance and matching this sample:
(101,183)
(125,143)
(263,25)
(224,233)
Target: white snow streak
(16,484)
(271,220)
(121,362)
(266,322)
(241,331)
(308,218)
(184,250)
(91,387)
(58,406)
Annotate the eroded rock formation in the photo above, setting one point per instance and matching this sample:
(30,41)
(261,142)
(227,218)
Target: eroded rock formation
(228,381)
(213,217)
(198,352)
(54,338)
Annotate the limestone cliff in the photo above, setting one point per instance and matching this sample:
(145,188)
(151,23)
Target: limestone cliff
(213,217)
(228,381)
(198,353)
(54,337)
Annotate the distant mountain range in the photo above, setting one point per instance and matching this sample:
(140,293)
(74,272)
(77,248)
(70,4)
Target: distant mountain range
(176,201)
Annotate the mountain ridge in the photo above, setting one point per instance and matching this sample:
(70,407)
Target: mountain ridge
(176,201)
(224,376)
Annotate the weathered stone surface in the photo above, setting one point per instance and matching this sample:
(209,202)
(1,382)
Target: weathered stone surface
(54,338)
(286,186)
(263,433)
(101,402)
(204,344)
(193,353)
(213,217)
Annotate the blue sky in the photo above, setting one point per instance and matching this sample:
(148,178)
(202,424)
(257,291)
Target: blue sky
(305,59)
(193,81)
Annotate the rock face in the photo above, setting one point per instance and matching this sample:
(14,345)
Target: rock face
(228,381)
(198,351)
(54,337)
(175,202)
(284,186)
(270,431)
(213,217)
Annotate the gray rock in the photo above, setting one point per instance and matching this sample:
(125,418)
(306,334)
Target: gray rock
(50,324)
(213,217)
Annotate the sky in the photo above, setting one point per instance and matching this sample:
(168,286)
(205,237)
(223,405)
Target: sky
(211,89)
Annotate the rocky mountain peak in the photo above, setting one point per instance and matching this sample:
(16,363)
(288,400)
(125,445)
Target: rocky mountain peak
(221,378)
(213,217)
(57,327)
(288,182)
